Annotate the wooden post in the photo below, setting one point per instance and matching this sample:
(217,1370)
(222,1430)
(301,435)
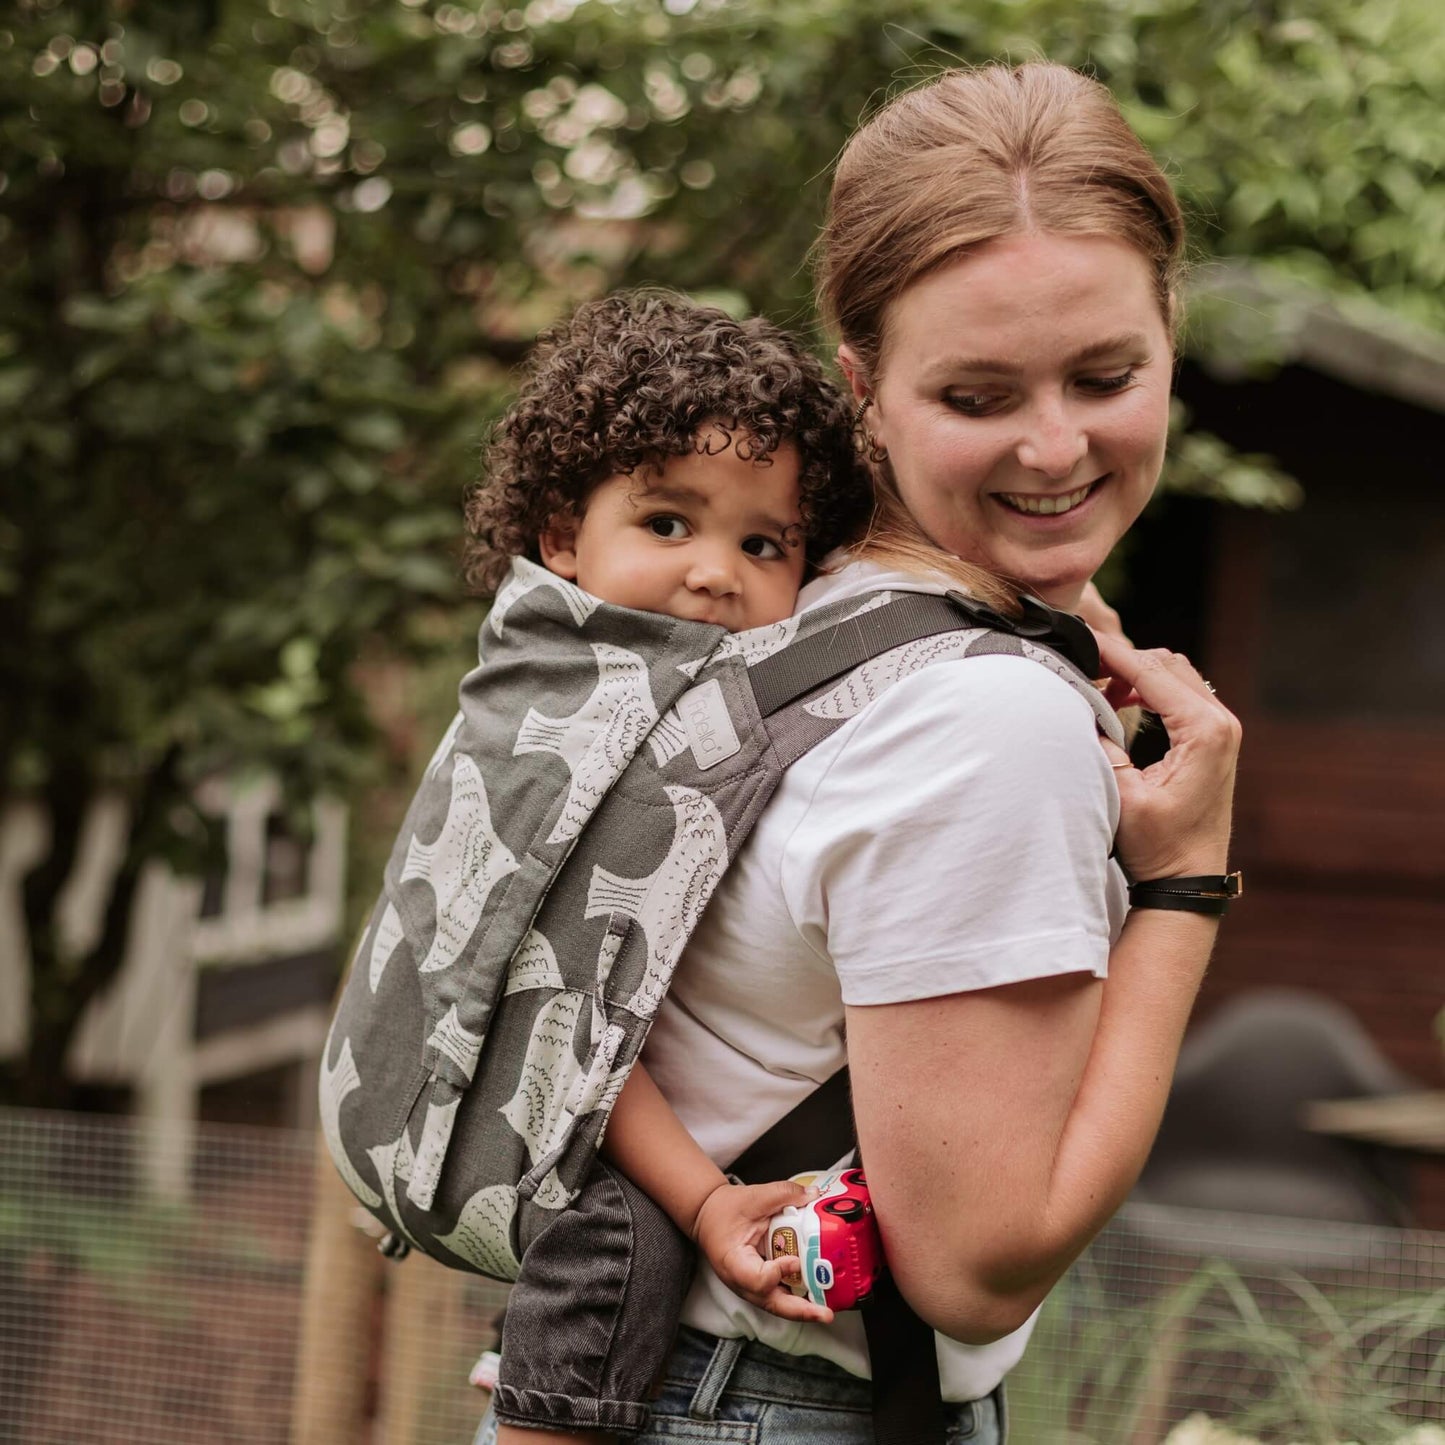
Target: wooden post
(343,1271)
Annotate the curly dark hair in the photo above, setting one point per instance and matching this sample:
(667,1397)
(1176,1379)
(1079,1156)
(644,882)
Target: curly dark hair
(634,378)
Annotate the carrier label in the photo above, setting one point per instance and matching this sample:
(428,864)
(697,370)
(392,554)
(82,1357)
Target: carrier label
(710,730)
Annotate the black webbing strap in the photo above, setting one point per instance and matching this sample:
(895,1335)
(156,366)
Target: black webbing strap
(804,666)
(907,1398)
(818,1128)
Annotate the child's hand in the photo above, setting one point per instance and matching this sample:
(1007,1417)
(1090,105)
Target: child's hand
(729,1230)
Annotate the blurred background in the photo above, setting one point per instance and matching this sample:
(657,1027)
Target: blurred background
(266,267)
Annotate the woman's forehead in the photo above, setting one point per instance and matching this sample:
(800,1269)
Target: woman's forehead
(1076,298)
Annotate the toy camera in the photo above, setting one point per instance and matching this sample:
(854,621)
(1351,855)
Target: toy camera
(836,1237)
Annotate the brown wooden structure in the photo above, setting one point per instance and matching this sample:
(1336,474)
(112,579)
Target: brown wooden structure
(1324,629)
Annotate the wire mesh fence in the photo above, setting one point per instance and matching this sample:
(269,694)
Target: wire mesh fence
(153,1288)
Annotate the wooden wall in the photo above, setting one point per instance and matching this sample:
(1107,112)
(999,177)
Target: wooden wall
(1325,631)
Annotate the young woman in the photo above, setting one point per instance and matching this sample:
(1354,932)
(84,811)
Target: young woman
(931,895)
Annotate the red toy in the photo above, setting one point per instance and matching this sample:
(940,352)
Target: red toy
(836,1237)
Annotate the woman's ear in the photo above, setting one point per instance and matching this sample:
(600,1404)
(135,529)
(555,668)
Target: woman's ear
(558,546)
(853,370)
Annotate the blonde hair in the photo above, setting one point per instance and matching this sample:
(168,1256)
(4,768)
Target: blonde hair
(965,159)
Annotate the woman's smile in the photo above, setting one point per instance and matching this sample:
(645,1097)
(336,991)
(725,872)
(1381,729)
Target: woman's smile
(1051,505)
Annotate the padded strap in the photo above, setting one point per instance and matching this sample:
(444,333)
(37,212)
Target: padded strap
(804,666)
(807,665)
(907,1396)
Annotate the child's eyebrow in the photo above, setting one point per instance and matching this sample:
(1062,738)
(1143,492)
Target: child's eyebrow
(665,492)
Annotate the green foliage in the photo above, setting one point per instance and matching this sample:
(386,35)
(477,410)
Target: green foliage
(265,265)
(1273,1355)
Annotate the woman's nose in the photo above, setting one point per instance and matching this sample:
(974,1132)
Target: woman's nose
(1054,441)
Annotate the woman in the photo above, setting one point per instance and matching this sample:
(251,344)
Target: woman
(934,883)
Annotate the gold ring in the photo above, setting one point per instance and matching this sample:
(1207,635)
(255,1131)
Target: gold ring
(1118,767)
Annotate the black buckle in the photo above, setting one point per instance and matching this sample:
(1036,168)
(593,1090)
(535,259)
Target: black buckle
(1066,634)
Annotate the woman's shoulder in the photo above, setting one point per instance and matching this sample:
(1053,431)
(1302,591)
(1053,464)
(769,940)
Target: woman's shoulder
(998,705)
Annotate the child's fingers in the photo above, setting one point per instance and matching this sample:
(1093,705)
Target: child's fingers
(789,1306)
(763,1201)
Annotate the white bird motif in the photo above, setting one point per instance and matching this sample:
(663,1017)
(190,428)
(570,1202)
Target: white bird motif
(483,1236)
(668,739)
(461,1046)
(871,679)
(392,1162)
(383,944)
(599,739)
(752,646)
(527,577)
(431,1153)
(443,748)
(552,1193)
(465,863)
(534,965)
(336,1085)
(668,903)
(550,1072)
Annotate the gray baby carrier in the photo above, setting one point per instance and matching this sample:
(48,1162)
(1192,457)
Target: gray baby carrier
(604,768)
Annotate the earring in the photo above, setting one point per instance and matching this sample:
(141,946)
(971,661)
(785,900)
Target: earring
(872,450)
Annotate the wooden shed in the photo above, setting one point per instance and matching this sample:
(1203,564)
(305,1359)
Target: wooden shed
(1324,629)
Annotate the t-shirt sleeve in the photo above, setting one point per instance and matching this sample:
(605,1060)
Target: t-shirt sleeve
(960,837)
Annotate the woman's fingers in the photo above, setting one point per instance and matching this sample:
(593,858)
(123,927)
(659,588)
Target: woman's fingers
(1161,678)
(1174,814)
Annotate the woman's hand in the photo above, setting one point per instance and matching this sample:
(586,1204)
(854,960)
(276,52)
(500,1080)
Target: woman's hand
(1175,815)
(729,1229)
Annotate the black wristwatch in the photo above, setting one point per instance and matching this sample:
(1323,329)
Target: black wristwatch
(1210,893)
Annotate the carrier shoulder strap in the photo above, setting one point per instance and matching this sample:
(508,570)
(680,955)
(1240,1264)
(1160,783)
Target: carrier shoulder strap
(814,661)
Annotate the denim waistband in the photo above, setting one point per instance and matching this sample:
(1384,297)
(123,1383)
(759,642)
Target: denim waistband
(706,1366)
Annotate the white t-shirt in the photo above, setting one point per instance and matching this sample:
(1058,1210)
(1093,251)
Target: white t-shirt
(953,835)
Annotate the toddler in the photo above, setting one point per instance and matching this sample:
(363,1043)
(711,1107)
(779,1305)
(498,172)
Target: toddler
(666,458)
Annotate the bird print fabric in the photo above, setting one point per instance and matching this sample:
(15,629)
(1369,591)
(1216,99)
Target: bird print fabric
(545,883)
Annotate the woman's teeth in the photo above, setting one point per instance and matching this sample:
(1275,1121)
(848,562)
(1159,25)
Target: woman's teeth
(1045,506)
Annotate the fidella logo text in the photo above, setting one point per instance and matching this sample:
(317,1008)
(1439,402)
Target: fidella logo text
(710,730)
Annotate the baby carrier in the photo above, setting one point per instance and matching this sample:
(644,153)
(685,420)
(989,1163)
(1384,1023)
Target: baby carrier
(604,768)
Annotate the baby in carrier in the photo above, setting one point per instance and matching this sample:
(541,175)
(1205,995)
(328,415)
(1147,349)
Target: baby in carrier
(665,458)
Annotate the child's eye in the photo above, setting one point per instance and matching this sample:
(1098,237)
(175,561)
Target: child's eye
(763,548)
(671,529)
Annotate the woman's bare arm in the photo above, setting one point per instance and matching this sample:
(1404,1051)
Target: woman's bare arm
(1002,1128)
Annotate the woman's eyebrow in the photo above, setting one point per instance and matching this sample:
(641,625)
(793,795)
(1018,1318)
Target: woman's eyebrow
(1108,346)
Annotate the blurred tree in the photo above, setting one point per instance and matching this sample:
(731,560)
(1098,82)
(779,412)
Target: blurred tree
(264,264)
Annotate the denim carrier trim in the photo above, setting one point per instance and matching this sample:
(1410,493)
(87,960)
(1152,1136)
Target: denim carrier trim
(604,767)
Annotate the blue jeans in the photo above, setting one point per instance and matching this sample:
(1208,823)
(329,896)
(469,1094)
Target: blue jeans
(742,1392)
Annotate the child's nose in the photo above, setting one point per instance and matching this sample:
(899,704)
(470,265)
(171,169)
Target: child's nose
(715,574)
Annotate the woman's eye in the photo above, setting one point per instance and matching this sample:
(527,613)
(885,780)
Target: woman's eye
(974,403)
(1108,385)
(763,548)
(671,529)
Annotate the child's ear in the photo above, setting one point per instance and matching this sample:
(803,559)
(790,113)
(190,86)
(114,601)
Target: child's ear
(558,546)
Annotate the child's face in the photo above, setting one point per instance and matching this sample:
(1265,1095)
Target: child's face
(706,538)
